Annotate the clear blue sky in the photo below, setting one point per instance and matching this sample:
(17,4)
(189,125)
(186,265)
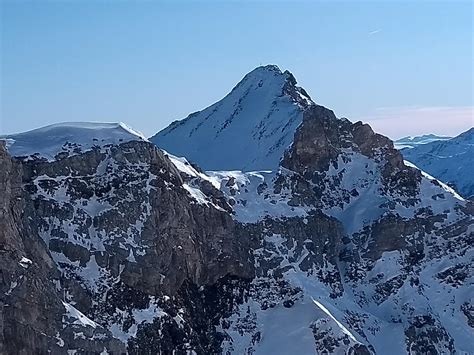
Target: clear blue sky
(405,67)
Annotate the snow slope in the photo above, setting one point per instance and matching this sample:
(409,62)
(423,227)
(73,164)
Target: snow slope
(451,161)
(69,138)
(411,142)
(247,130)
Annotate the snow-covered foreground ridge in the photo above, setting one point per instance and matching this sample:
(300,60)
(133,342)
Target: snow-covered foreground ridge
(341,247)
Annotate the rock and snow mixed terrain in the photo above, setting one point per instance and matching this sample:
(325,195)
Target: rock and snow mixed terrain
(313,237)
(451,161)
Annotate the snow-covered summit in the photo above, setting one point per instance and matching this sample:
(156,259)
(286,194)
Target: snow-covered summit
(68,138)
(249,129)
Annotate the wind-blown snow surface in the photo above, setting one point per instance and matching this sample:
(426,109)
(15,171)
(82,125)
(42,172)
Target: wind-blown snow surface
(411,142)
(68,138)
(259,117)
(451,161)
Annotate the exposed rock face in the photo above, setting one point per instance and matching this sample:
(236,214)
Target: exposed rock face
(33,318)
(424,336)
(25,312)
(125,233)
(322,138)
(116,211)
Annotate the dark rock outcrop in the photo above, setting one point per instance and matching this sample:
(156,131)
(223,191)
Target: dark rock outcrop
(322,137)
(31,309)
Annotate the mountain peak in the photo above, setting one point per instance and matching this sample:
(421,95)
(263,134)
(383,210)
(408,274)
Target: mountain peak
(273,81)
(269,68)
(253,124)
(268,71)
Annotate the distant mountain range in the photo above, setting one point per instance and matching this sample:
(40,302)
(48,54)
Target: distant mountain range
(411,142)
(449,160)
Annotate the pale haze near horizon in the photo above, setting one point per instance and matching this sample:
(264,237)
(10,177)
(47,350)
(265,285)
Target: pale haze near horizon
(404,67)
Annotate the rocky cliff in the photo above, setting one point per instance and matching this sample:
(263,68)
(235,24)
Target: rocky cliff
(33,316)
(121,234)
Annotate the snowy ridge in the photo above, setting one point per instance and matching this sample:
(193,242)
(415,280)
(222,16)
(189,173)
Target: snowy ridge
(252,125)
(185,167)
(433,179)
(356,172)
(192,181)
(68,139)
